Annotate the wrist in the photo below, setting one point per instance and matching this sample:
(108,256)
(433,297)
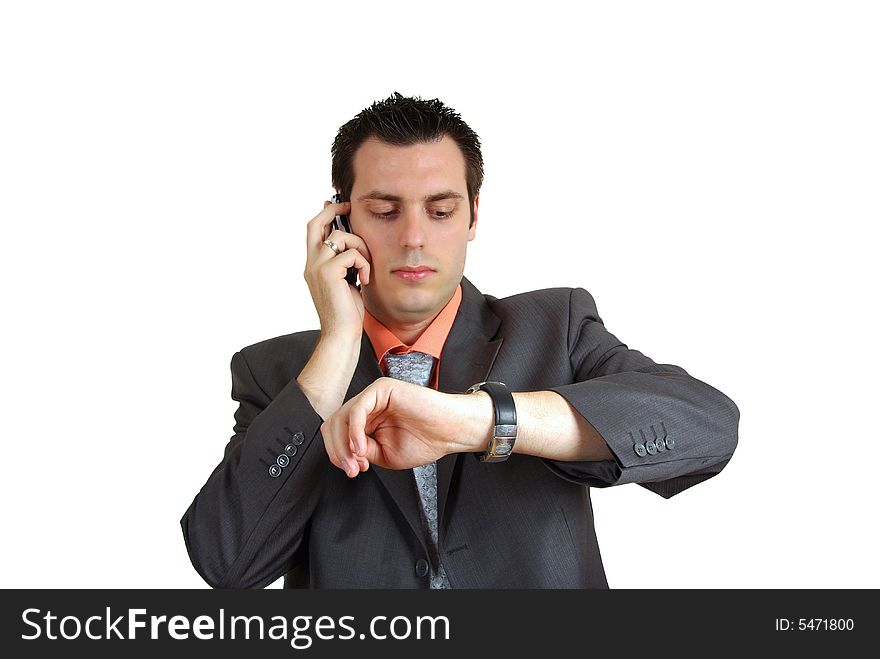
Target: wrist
(478,423)
(327,375)
(342,343)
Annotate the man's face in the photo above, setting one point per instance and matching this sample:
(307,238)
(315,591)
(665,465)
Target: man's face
(410,205)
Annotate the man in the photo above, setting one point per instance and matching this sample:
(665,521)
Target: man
(359,458)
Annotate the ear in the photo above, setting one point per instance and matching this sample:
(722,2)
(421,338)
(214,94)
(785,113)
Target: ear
(473,230)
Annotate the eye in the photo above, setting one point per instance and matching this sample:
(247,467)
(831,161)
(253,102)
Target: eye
(442,215)
(385,216)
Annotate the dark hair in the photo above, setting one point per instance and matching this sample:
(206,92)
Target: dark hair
(402,121)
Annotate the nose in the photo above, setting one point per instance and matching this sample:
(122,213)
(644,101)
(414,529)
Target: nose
(412,228)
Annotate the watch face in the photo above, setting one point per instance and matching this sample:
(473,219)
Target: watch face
(498,450)
(502,448)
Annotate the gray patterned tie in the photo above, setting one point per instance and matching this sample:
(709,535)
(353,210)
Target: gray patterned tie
(417,367)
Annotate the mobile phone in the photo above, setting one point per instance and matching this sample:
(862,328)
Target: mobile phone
(341,223)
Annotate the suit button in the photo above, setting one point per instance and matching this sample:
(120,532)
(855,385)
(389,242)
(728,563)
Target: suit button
(422,567)
(650,447)
(290,449)
(669,442)
(661,445)
(640,450)
(282,460)
(297,438)
(274,471)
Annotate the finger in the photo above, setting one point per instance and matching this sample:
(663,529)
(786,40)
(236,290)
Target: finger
(344,241)
(341,459)
(359,414)
(348,259)
(362,462)
(349,464)
(316,227)
(373,454)
(357,421)
(348,460)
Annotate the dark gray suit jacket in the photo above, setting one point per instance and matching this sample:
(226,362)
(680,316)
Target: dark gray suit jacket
(523,523)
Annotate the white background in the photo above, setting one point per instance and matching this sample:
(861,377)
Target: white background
(708,171)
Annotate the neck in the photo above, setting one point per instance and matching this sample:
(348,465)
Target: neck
(408,332)
(407,325)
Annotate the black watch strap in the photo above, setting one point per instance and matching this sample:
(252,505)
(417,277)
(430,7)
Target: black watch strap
(504,435)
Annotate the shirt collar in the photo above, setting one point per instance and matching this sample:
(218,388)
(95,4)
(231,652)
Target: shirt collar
(430,342)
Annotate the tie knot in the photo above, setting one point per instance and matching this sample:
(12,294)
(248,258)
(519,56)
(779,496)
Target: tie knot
(414,367)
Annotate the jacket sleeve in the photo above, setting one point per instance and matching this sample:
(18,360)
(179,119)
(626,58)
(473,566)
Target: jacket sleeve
(245,527)
(667,430)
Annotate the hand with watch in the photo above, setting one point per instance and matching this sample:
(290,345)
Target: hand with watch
(398,425)
(504,434)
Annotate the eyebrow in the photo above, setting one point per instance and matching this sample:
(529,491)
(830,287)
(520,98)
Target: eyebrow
(385,196)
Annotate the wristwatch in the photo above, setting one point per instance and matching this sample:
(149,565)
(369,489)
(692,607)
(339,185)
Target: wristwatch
(504,435)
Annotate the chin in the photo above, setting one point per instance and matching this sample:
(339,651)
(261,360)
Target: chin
(414,301)
(400,298)
(403,300)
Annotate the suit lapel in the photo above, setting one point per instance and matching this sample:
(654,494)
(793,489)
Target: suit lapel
(367,370)
(467,358)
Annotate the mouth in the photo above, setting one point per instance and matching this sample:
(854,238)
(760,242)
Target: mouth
(413,273)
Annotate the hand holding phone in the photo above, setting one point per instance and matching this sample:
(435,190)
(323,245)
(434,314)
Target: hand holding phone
(341,223)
